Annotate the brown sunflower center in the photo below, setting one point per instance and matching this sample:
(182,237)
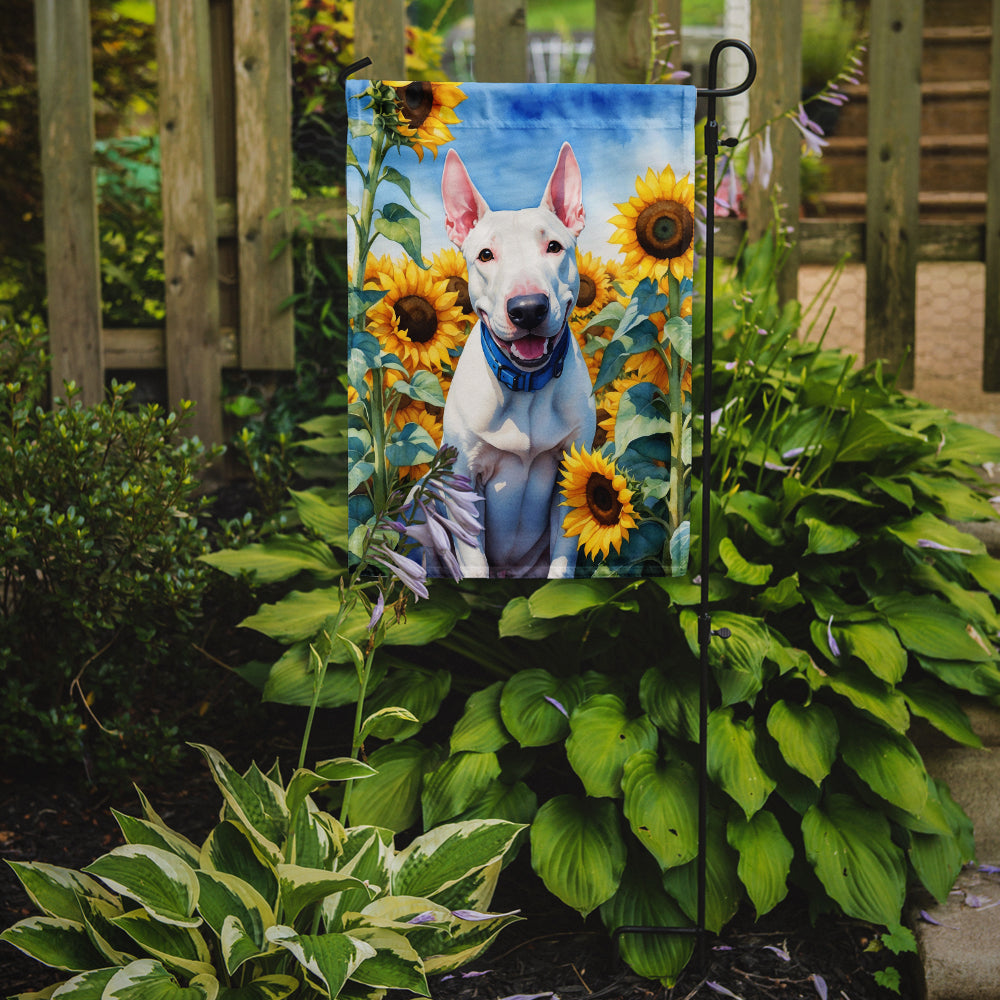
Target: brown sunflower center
(417,318)
(665,229)
(602,499)
(588,291)
(460,287)
(416,101)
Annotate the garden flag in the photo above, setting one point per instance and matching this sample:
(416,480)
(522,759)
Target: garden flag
(520,294)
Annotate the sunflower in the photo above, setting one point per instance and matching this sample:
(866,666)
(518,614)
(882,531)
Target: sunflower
(450,264)
(417,319)
(601,502)
(426,110)
(595,284)
(656,229)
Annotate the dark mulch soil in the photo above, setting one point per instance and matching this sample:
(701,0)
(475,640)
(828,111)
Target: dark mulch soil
(551,952)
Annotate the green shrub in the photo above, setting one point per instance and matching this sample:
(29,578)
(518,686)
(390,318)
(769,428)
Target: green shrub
(101,584)
(279,900)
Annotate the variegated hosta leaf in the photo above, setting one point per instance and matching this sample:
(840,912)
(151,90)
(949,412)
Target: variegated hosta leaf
(535,706)
(441,857)
(149,980)
(275,987)
(225,897)
(578,851)
(732,760)
(230,849)
(850,847)
(395,964)
(456,784)
(141,831)
(86,986)
(158,880)
(367,853)
(116,947)
(301,887)
(765,858)
(177,947)
(661,805)
(723,889)
(807,736)
(328,959)
(54,941)
(315,838)
(602,737)
(56,891)
(888,763)
(467,940)
(642,902)
(256,801)
(481,727)
(304,782)
(475,891)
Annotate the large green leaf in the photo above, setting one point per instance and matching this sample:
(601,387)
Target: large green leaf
(230,849)
(888,763)
(328,520)
(417,689)
(765,858)
(927,531)
(866,692)
(876,646)
(275,987)
(641,901)
(279,558)
(936,704)
(391,798)
(930,627)
(602,738)
(732,760)
(976,678)
(738,661)
(739,569)
(723,889)
(225,897)
(179,948)
(578,851)
(517,620)
(164,885)
(481,728)
(661,806)
(301,887)
(55,941)
(292,680)
(147,979)
(851,850)
(535,706)
(807,736)
(671,700)
(870,436)
(560,598)
(456,784)
(828,539)
(56,891)
(438,859)
(395,964)
(304,782)
(329,959)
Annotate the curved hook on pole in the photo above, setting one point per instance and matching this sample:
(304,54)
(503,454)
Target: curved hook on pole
(712,90)
(353,68)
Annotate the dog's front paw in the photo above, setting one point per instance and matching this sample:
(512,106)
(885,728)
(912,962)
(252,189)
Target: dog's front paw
(561,569)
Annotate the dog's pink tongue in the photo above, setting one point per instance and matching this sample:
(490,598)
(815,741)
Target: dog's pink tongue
(529,347)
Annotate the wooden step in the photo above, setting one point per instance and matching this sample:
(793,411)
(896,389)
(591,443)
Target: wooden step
(947,162)
(956,53)
(958,206)
(945,104)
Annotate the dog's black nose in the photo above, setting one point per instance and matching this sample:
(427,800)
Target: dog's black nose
(528,311)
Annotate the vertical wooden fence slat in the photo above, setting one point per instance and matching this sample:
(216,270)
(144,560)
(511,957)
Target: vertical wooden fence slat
(622,40)
(380,34)
(991,332)
(776,35)
(668,12)
(501,41)
(72,256)
(892,215)
(261,57)
(190,253)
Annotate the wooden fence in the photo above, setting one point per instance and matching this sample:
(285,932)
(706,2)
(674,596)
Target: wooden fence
(226,161)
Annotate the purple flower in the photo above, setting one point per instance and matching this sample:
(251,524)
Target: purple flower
(719,988)
(927,543)
(811,132)
(820,983)
(411,574)
(377,612)
(558,705)
(475,915)
(780,952)
(760,165)
(427,917)
(831,642)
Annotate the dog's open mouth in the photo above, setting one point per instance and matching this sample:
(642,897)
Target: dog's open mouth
(529,351)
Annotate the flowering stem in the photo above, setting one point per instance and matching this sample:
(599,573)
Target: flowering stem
(359,717)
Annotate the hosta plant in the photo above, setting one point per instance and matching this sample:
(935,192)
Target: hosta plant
(279,900)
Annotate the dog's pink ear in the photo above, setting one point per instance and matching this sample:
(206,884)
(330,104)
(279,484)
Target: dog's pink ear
(564,194)
(464,206)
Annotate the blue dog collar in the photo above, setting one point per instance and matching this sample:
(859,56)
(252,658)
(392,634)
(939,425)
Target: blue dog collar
(515,378)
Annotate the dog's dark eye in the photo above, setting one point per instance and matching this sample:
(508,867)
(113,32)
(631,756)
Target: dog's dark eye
(554,247)
(485,255)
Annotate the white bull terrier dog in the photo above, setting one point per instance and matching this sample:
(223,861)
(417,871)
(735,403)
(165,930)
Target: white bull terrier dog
(521,394)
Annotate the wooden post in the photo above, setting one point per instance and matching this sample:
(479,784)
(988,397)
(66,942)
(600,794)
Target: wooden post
(380,34)
(622,38)
(501,41)
(667,14)
(776,34)
(991,333)
(72,255)
(261,40)
(893,183)
(190,253)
